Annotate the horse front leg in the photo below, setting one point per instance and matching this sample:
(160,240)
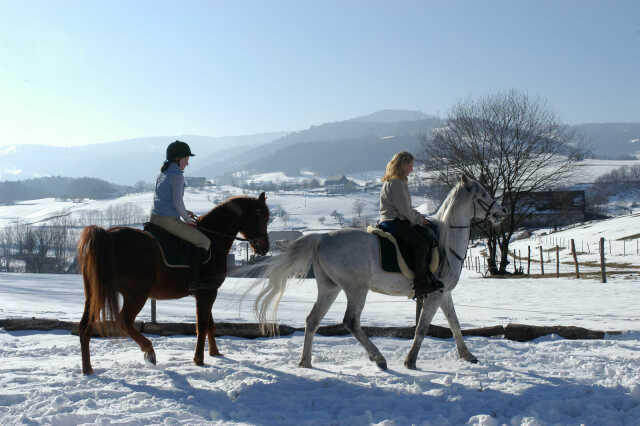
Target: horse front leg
(429,308)
(204,302)
(454,325)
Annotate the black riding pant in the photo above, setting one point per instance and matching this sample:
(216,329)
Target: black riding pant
(421,240)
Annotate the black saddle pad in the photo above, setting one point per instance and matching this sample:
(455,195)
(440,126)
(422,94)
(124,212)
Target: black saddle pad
(177,251)
(389,255)
(388,251)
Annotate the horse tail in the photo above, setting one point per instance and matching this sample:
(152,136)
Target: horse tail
(95,260)
(294,263)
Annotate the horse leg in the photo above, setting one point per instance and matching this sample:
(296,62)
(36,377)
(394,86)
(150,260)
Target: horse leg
(204,302)
(211,334)
(327,293)
(454,325)
(429,307)
(355,304)
(84,331)
(131,306)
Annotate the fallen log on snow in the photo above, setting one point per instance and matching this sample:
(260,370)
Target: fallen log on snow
(517,332)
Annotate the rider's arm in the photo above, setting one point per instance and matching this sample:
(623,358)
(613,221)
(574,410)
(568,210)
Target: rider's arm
(399,193)
(177,189)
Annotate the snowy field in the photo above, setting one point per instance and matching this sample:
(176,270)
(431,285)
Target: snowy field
(543,382)
(548,381)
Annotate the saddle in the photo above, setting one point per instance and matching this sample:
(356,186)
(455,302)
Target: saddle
(176,252)
(392,257)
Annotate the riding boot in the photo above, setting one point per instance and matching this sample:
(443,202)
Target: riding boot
(424,282)
(197,282)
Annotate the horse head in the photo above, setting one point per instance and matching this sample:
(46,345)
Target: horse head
(484,206)
(253,223)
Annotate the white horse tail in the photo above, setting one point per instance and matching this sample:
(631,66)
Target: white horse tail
(294,263)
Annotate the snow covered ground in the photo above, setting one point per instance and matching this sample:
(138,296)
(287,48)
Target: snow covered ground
(544,382)
(547,381)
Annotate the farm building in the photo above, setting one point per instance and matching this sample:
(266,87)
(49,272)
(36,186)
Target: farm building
(553,208)
(340,185)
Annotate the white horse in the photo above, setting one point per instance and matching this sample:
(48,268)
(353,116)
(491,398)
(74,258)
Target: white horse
(350,260)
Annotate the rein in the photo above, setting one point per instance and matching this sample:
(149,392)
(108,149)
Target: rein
(222,234)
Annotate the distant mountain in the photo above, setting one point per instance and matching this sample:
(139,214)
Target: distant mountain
(393,116)
(612,140)
(59,187)
(124,162)
(352,143)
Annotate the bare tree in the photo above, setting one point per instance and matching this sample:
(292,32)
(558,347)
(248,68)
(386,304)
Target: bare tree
(7,242)
(338,217)
(358,208)
(511,144)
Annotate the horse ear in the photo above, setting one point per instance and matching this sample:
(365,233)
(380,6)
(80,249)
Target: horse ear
(262,197)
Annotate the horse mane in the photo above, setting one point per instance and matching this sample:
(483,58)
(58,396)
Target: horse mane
(442,215)
(227,210)
(445,209)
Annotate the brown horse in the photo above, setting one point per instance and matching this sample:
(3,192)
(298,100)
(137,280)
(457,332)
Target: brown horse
(128,261)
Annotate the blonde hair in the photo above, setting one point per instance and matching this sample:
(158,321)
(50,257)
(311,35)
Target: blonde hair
(394,167)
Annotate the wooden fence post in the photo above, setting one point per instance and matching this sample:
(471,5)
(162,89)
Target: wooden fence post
(528,259)
(153,311)
(603,271)
(541,261)
(575,258)
(557,261)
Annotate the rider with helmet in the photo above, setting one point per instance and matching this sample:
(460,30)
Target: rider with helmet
(168,208)
(405,223)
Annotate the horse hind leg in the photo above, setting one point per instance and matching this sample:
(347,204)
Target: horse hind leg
(131,307)
(84,331)
(327,293)
(355,303)
(211,334)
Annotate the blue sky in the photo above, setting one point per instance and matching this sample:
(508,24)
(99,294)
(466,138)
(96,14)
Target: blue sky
(88,72)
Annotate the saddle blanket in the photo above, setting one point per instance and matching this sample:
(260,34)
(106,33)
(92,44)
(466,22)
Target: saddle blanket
(176,252)
(391,257)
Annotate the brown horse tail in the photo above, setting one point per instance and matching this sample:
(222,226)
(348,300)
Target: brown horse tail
(95,259)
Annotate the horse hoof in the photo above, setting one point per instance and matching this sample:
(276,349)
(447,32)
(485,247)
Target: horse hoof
(87,372)
(411,365)
(304,364)
(382,365)
(150,357)
(216,354)
(469,358)
(198,362)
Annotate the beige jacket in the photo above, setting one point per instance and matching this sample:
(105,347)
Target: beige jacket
(395,202)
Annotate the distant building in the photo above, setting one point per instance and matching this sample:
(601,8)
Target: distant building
(195,182)
(340,185)
(552,208)
(280,240)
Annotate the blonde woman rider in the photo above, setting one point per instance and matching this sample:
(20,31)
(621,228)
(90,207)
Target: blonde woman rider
(168,209)
(399,218)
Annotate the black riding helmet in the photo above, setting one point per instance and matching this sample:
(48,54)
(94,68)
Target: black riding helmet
(178,149)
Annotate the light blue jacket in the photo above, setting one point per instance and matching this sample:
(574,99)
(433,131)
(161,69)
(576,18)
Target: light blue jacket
(167,200)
